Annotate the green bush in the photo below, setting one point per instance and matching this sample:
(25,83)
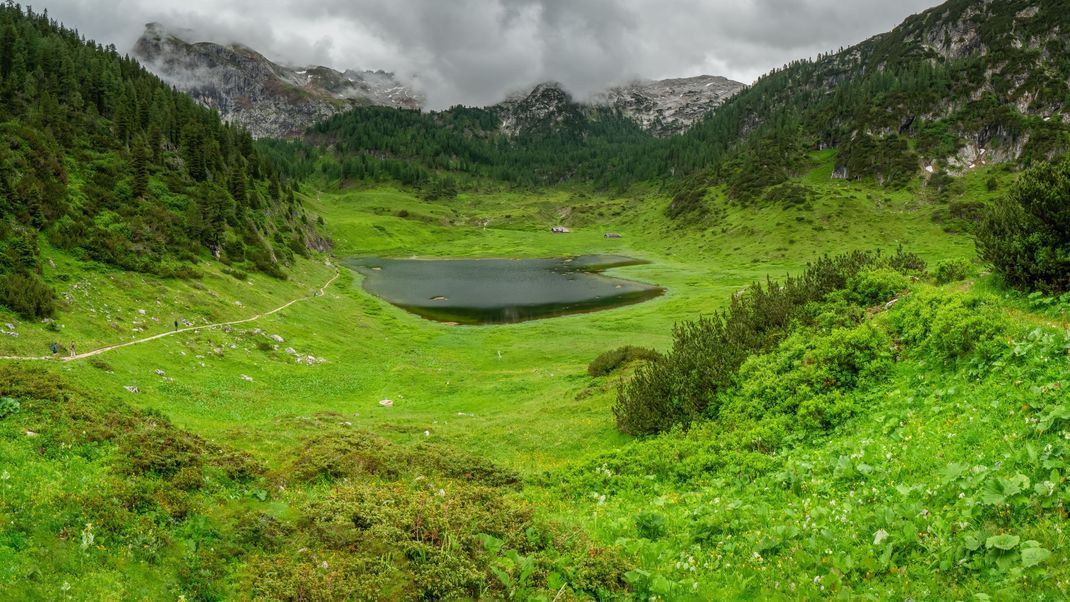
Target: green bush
(874,287)
(949,327)
(810,376)
(610,361)
(1025,234)
(684,384)
(951,270)
(345,455)
(27,295)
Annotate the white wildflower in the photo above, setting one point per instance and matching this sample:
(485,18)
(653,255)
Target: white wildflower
(879,536)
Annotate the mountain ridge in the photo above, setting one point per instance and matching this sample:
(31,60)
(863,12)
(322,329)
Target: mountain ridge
(272,100)
(268,99)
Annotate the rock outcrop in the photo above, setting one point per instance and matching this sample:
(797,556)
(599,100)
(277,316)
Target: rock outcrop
(662,107)
(669,106)
(268,99)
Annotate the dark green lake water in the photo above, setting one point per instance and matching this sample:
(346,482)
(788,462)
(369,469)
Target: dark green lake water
(501,291)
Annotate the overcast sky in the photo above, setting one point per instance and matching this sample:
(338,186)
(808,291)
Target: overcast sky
(474,51)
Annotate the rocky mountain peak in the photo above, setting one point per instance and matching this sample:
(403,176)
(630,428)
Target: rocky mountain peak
(669,106)
(268,99)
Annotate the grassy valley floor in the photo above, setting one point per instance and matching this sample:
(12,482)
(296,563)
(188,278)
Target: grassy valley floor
(518,395)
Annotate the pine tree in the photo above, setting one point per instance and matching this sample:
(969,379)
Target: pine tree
(139,165)
(237,184)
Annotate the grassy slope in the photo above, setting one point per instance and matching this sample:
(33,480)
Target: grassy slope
(535,408)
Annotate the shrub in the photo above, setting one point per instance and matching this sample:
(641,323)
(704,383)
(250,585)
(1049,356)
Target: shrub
(810,376)
(100,364)
(949,327)
(1025,234)
(610,361)
(27,295)
(873,287)
(951,270)
(684,384)
(340,455)
(454,463)
(159,448)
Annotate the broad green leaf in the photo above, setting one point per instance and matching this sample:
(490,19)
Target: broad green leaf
(1002,542)
(1034,556)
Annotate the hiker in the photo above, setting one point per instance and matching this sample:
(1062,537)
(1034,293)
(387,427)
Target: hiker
(72,348)
(176,325)
(55,348)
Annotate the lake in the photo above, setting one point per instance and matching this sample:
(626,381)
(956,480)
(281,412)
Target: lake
(501,291)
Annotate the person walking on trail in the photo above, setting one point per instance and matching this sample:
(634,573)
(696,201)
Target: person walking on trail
(176,325)
(54,347)
(72,348)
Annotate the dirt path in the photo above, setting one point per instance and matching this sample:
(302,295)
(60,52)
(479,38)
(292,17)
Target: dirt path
(80,356)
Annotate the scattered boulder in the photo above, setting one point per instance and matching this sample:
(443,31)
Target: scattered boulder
(247,378)
(160,372)
(310,360)
(132,389)
(387,403)
(277,338)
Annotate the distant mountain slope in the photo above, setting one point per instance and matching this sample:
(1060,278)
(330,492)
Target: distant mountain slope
(669,106)
(660,107)
(266,98)
(963,84)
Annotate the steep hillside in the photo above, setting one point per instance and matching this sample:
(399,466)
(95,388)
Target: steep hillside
(959,86)
(103,160)
(267,99)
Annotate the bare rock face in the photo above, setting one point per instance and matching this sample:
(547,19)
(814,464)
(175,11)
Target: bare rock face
(669,106)
(266,98)
(545,106)
(662,107)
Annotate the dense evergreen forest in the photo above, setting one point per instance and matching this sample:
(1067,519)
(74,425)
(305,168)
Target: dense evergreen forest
(108,162)
(987,76)
(419,149)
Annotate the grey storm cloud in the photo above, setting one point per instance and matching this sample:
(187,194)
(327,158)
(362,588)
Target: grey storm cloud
(476,51)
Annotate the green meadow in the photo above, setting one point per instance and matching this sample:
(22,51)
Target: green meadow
(673,517)
(518,393)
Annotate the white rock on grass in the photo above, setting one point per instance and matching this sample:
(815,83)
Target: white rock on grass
(247,378)
(132,389)
(160,372)
(277,338)
(387,403)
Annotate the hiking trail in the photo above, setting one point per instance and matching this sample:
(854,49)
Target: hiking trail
(94,352)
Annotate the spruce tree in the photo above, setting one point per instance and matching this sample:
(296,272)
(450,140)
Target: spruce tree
(139,165)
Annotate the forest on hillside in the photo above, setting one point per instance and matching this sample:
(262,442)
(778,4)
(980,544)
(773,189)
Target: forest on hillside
(106,161)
